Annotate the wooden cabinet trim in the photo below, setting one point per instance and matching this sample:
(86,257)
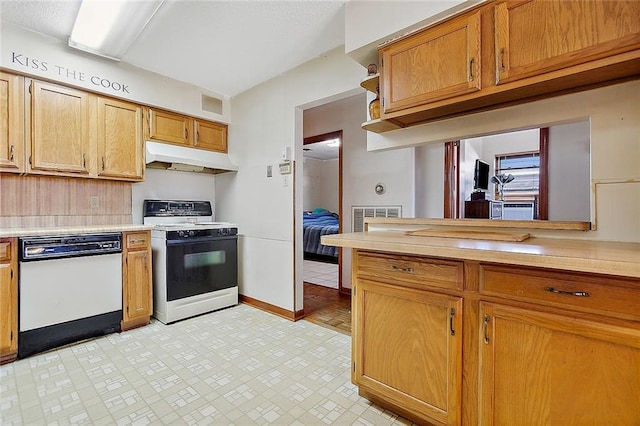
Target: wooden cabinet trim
(568,370)
(609,296)
(504,30)
(470,70)
(443,273)
(8,299)
(137,289)
(12,141)
(602,65)
(446,408)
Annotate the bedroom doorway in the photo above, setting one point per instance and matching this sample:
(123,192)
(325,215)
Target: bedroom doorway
(322,206)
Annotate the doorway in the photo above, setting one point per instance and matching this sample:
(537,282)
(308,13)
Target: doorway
(322,208)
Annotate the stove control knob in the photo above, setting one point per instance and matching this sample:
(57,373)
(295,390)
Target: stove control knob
(192,233)
(224,231)
(181,233)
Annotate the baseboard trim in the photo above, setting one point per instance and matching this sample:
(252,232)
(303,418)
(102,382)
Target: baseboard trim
(272,309)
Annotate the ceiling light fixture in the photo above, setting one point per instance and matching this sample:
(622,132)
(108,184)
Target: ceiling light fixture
(333,143)
(109,27)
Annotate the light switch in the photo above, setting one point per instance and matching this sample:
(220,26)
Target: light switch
(269,171)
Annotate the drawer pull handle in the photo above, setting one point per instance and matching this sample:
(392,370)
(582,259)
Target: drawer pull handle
(568,293)
(397,268)
(452,313)
(137,241)
(486,329)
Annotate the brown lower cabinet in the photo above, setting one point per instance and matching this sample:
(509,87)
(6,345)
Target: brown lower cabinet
(8,299)
(137,297)
(511,346)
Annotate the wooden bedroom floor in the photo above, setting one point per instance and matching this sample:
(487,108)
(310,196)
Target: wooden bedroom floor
(326,307)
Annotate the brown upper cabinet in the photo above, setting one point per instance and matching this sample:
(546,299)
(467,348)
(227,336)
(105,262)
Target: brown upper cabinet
(506,52)
(169,127)
(59,129)
(177,129)
(120,136)
(535,37)
(75,133)
(436,64)
(11,123)
(210,136)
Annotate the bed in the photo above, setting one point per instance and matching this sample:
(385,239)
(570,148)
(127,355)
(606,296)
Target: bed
(315,224)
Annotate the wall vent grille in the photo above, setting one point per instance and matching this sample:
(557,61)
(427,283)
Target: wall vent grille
(359,213)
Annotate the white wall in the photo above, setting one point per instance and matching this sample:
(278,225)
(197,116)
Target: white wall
(569,172)
(171,185)
(312,184)
(429,181)
(39,56)
(266,119)
(615,147)
(320,184)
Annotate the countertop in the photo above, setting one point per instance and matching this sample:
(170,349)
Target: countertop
(601,257)
(87,229)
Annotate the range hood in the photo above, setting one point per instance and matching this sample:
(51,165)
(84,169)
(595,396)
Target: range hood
(174,157)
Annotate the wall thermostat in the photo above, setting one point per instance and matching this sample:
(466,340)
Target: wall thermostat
(285,168)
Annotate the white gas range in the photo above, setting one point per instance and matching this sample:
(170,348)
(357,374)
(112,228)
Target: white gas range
(195,261)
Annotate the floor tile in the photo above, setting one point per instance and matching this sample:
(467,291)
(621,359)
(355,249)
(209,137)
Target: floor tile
(237,366)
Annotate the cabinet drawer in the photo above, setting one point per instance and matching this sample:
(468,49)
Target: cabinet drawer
(137,240)
(423,271)
(613,296)
(5,251)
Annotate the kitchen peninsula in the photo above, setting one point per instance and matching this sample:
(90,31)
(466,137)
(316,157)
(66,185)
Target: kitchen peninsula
(471,331)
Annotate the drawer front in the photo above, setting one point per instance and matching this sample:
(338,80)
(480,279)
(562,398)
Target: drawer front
(422,271)
(137,240)
(5,251)
(611,296)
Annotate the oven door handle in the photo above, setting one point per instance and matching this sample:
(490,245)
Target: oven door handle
(192,240)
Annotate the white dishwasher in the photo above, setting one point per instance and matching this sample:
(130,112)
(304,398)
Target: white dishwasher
(70,289)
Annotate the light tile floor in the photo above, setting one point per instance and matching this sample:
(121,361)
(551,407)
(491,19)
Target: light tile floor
(237,366)
(321,273)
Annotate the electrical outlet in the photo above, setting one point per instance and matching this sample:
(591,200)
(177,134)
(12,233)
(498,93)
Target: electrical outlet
(285,180)
(94,202)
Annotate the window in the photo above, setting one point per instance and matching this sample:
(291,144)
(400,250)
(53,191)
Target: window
(521,195)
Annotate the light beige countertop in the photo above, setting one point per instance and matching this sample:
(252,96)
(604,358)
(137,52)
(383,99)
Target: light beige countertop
(601,257)
(63,230)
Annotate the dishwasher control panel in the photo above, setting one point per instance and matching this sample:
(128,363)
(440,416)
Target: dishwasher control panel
(61,246)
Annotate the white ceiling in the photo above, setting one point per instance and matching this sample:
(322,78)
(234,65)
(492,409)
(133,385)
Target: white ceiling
(225,46)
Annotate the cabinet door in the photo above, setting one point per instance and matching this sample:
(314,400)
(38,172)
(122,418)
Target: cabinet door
(439,63)
(8,300)
(545,369)
(59,129)
(137,289)
(11,123)
(211,136)
(408,348)
(168,127)
(534,37)
(120,143)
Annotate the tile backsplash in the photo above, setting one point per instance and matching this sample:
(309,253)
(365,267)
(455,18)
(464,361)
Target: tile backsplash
(46,201)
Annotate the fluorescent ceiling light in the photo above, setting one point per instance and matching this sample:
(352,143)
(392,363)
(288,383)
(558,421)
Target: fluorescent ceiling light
(333,143)
(109,27)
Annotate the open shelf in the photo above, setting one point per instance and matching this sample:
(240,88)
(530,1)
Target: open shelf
(371,82)
(379,126)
